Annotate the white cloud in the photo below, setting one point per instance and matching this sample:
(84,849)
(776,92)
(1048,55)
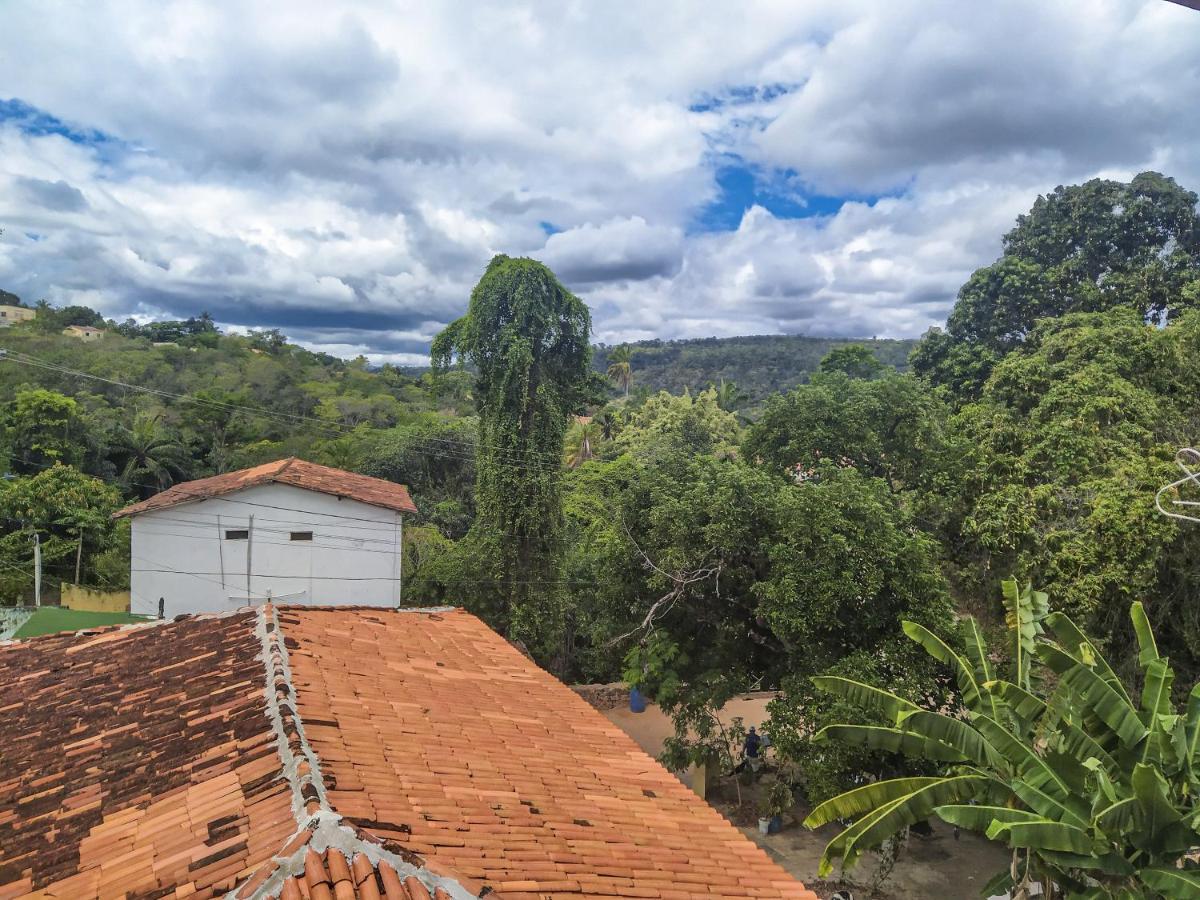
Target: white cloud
(344,171)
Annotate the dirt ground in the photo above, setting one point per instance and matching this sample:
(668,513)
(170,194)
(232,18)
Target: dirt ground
(936,867)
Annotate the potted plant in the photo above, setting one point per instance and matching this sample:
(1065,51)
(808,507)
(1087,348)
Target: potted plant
(773,804)
(764,814)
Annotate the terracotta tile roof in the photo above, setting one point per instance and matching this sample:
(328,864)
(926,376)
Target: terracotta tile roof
(292,471)
(135,759)
(452,744)
(340,754)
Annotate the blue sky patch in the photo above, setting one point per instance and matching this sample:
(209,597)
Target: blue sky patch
(741,95)
(39,123)
(549,228)
(743,185)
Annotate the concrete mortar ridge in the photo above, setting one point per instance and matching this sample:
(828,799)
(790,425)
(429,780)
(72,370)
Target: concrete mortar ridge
(326,828)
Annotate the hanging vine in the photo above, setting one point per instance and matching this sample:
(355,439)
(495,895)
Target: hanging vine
(527,337)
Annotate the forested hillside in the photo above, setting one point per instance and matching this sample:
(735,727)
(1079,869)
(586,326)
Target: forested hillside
(759,365)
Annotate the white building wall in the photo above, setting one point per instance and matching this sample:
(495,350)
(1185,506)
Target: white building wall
(182,554)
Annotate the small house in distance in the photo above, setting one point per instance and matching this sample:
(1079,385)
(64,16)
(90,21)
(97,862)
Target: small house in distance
(83,332)
(12,314)
(288,530)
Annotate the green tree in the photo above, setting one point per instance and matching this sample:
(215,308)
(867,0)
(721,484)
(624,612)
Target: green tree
(620,366)
(152,458)
(730,397)
(1059,462)
(890,428)
(72,515)
(608,424)
(435,457)
(1082,248)
(666,425)
(53,319)
(853,361)
(712,575)
(41,427)
(527,337)
(1092,786)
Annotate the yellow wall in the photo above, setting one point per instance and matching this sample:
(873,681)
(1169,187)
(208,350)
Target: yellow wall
(15,314)
(81,598)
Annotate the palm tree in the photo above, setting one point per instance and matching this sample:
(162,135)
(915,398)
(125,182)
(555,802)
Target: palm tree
(154,458)
(729,395)
(580,441)
(607,424)
(619,368)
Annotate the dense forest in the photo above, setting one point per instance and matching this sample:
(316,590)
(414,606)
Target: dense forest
(759,365)
(853,531)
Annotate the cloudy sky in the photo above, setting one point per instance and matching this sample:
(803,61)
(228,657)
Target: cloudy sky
(343,171)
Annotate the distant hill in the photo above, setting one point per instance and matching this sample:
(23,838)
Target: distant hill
(760,364)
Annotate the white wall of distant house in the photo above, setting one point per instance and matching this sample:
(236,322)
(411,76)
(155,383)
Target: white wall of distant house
(185,554)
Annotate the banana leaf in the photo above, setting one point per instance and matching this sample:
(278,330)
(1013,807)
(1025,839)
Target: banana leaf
(1109,863)
(894,740)
(1024,705)
(1160,824)
(1073,741)
(940,650)
(976,651)
(1145,634)
(978,818)
(1073,639)
(955,732)
(1178,884)
(1156,692)
(1192,727)
(865,696)
(1069,810)
(1042,835)
(1118,818)
(873,829)
(1025,763)
(855,803)
(1097,695)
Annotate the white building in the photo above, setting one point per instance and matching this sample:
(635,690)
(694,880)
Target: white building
(289,530)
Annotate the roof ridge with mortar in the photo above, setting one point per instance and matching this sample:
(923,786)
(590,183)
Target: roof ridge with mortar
(320,830)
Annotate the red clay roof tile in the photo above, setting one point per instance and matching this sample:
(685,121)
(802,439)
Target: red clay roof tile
(461,749)
(434,759)
(290,471)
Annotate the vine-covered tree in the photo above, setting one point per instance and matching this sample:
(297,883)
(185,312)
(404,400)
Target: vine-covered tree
(527,337)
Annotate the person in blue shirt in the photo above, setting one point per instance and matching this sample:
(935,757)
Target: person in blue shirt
(750,749)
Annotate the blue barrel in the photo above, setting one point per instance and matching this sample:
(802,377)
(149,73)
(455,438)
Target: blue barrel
(637,703)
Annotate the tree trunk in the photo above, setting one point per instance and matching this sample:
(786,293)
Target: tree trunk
(79,556)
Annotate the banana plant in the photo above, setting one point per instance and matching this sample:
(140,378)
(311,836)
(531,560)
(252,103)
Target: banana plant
(1093,786)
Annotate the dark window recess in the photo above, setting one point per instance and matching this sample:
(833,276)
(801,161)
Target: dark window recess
(237,534)
(301,535)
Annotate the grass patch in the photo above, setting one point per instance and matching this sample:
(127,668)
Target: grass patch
(52,619)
